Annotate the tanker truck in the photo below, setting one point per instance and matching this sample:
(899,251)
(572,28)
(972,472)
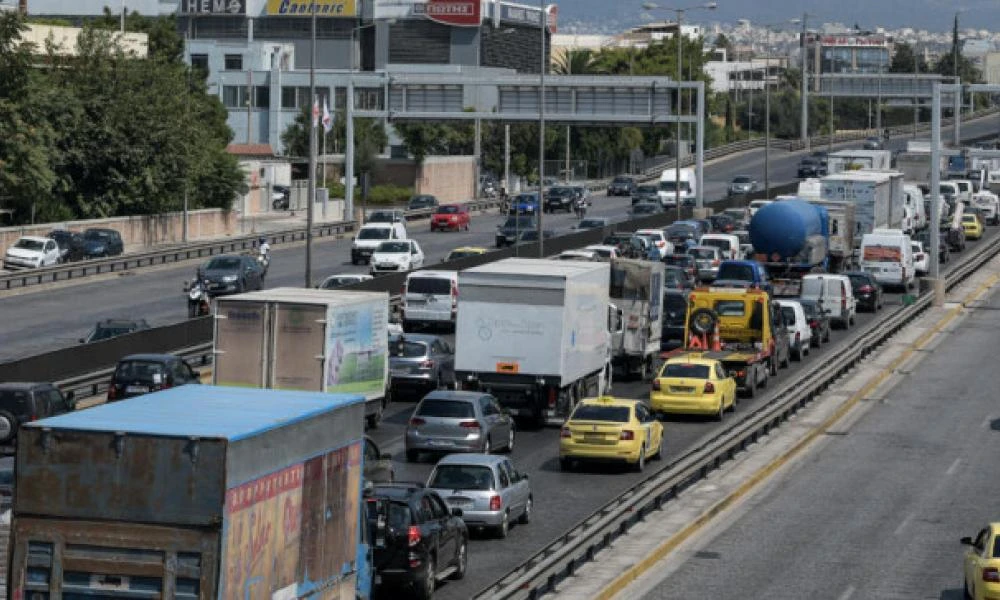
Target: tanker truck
(790,238)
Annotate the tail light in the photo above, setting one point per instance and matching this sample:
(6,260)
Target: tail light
(866,289)
(656,384)
(427,364)
(495,502)
(552,397)
(991,574)
(715,263)
(813,323)
(709,387)
(413,535)
(417,422)
(843,302)
(469,424)
(565,433)
(627,434)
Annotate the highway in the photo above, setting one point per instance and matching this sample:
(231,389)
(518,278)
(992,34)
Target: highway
(876,512)
(52,317)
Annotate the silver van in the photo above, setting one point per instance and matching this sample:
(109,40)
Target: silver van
(430,298)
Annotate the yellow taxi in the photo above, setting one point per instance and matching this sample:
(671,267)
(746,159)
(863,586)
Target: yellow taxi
(465,251)
(610,429)
(973,226)
(693,384)
(982,564)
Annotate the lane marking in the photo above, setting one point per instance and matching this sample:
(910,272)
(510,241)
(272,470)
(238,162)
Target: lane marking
(618,584)
(954,466)
(847,593)
(903,525)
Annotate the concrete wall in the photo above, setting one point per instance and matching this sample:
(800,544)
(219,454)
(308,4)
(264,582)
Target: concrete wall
(141,231)
(450,178)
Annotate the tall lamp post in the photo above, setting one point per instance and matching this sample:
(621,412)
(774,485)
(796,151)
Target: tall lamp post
(312,144)
(677,136)
(541,130)
(804,127)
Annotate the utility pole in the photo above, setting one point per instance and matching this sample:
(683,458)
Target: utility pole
(311,199)
(541,132)
(804,128)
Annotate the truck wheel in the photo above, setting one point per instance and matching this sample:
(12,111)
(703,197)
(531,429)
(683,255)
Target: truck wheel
(373,420)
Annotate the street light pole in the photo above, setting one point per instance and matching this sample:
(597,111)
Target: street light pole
(767,116)
(677,135)
(804,127)
(311,200)
(541,133)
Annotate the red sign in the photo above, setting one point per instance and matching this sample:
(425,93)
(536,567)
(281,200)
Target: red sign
(463,13)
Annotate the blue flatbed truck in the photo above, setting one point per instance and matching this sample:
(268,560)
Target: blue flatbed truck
(193,492)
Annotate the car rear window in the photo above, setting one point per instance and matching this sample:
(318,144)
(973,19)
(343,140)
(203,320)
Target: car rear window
(140,370)
(594,412)
(374,233)
(447,210)
(462,477)
(27,244)
(408,349)
(685,370)
(716,243)
(393,247)
(448,409)
(398,516)
(788,314)
(858,281)
(14,400)
(428,285)
(730,308)
(680,261)
(737,272)
(702,253)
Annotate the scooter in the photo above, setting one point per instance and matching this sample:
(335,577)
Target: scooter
(199,303)
(264,260)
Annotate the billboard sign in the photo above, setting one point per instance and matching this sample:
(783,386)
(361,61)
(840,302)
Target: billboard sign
(301,8)
(213,7)
(460,13)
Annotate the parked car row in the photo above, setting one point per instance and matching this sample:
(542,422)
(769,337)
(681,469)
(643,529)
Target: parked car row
(61,246)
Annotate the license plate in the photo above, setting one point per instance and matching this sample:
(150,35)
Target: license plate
(681,389)
(459,502)
(136,389)
(440,442)
(593,437)
(399,372)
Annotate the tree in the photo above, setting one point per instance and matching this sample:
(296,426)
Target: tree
(906,60)
(574,62)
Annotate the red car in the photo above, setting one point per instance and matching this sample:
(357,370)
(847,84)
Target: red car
(450,216)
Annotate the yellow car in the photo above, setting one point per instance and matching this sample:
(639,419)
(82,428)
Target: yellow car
(610,429)
(972,226)
(693,385)
(982,564)
(465,251)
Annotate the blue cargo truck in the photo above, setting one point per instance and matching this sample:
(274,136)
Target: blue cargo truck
(791,238)
(193,492)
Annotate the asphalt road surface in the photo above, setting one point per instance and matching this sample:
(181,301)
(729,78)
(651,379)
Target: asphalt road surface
(878,512)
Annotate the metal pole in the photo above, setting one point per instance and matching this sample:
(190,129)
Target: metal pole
(936,195)
(957,113)
(187,148)
(506,158)
(478,143)
(916,101)
(804,127)
(878,102)
(767,118)
(677,139)
(699,157)
(123,17)
(349,141)
(249,105)
(567,153)
(311,198)
(541,134)
(829,140)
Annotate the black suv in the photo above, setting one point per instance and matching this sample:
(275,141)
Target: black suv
(417,539)
(513,227)
(811,167)
(139,374)
(621,186)
(25,402)
(422,201)
(70,244)
(558,198)
(674,312)
(109,328)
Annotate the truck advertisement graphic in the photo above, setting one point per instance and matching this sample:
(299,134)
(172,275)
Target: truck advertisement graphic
(356,350)
(882,254)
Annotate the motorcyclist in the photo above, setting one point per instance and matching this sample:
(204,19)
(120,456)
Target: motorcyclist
(580,206)
(263,247)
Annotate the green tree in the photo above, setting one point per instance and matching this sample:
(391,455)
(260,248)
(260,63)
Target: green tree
(574,62)
(904,59)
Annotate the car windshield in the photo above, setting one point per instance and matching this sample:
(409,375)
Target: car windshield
(678,260)
(407,349)
(393,248)
(447,409)
(716,243)
(560,191)
(397,517)
(13,398)
(374,233)
(702,253)
(428,285)
(621,180)
(381,216)
(668,186)
(680,230)
(223,263)
(788,313)
(96,234)
(103,333)
(600,412)
(140,370)
(736,271)
(741,179)
(525,199)
(602,252)
(27,244)
(334,282)
(730,308)
(462,477)
(447,210)
(418,200)
(858,281)
(685,370)
(461,254)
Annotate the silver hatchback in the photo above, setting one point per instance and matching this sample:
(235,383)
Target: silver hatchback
(420,363)
(708,259)
(447,421)
(488,489)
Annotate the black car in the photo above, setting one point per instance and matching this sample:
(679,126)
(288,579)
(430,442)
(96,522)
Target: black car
(531,235)
(819,322)
(680,233)
(645,193)
(22,402)
(232,274)
(674,312)
(71,244)
(422,201)
(873,143)
(100,242)
(621,186)
(558,198)
(418,540)
(685,262)
(810,167)
(139,374)
(511,229)
(867,291)
(644,209)
(109,328)
(944,252)
(676,278)
(723,223)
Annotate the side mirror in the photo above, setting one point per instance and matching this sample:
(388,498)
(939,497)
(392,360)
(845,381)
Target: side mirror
(456,512)
(966,541)
(196,374)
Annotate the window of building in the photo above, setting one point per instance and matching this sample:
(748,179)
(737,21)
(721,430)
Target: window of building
(235,96)
(288,97)
(234,62)
(199,62)
(262,96)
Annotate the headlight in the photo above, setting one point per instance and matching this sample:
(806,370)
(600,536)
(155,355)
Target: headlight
(229,278)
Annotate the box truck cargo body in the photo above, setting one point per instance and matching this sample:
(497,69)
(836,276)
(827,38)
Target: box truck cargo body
(535,334)
(309,340)
(855,160)
(193,492)
(636,288)
(876,195)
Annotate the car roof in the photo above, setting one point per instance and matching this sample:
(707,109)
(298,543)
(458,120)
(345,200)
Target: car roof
(479,249)
(148,357)
(469,458)
(416,337)
(608,401)
(35,238)
(606,247)
(434,275)
(454,395)
(691,360)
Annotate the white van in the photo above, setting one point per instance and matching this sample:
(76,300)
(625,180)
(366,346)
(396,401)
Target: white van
(727,243)
(667,191)
(430,298)
(965,189)
(834,294)
(989,204)
(370,236)
(913,197)
(756,205)
(888,255)
(993,181)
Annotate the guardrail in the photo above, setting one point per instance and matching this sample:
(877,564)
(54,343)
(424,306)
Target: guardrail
(540,573)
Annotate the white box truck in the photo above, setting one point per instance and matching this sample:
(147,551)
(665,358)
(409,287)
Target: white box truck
(308,340)
(856,160)
(535,334)
(876,195)
(636,288)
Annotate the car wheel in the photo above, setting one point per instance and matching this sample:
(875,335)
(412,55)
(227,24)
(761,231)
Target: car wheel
(721,412)
(965,589)
(525,517)
(510,441)
(565,464)
(8,426)
(850,320)
(461,561)
(425,590)
(640,465)
(412,455)
(504,528)
(795,353)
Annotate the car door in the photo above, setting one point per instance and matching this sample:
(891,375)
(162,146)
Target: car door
(50,253)
(515,498)
(974,558)
(642,415)
(446,531)
(505,422)
(416,255)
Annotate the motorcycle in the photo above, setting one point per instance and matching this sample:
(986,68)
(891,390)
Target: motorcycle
(198,301)
(264,261)
(580,207)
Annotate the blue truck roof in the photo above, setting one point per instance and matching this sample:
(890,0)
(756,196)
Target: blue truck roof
(202,411)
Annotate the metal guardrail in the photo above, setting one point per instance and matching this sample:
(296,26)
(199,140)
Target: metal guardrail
(542,572)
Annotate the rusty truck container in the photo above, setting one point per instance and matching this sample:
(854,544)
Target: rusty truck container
(192,492)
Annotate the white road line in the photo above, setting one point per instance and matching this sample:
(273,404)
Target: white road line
(847,593)
(954,466)
(903,525)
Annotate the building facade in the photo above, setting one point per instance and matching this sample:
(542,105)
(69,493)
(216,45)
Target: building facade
(849,52)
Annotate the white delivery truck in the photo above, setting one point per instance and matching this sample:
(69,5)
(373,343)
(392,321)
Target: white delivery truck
(888,255)
(636,288)
(536,334)
(856,160)
(913,197)
(688,183)
(308,340)
(877,197)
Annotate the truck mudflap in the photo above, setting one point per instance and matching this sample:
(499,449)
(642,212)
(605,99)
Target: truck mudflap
(58,557)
